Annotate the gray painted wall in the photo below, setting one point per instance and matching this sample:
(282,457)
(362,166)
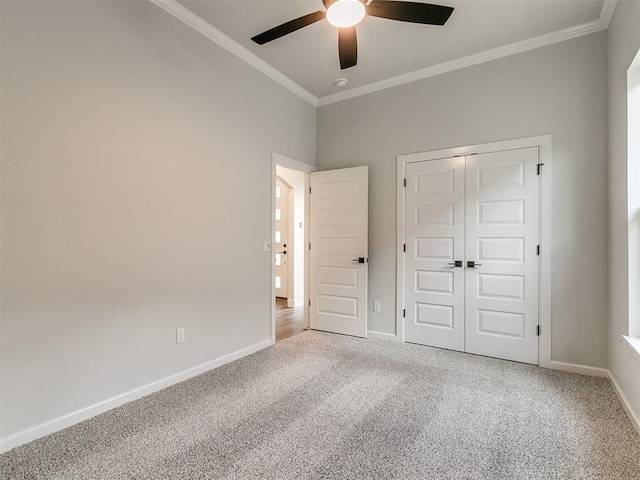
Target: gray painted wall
(623,44)
(561,90)
(136,184)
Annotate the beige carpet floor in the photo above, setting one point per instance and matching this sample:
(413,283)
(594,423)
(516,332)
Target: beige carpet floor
(319,406)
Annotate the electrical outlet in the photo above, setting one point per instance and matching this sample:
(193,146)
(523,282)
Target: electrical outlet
(376,306)
(180,335)
(267,246)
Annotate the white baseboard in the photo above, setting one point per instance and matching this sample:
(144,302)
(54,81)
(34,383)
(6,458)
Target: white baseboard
(625,404)
(382,335)
(581,369)
(78,416)
(601,372)
(295,302)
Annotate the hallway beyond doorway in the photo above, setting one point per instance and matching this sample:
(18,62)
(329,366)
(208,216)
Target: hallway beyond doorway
(289,321)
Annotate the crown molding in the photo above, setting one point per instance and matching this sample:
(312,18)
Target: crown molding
(186,16)
(606,13)
(602,23)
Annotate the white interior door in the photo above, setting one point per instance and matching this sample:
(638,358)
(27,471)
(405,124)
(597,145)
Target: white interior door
(484,210)
(339,251)
(502,241)
(281,239)
(434,223)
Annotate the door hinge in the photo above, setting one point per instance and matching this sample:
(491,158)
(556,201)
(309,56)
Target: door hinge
(538,330)
(404,182)
(404,247)
(404,313)
(538,250)
(309,302)
(309,245)
(309,190)
(539,166)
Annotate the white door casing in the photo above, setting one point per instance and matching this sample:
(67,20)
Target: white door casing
(281,237)
(292,164)
(484,209)
(338,239)
(502,235)
(434,222)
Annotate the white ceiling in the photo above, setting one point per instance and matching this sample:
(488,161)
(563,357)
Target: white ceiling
(388,48)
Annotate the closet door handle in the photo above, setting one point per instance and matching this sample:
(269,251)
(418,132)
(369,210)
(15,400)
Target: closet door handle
(456,263)
(473,264)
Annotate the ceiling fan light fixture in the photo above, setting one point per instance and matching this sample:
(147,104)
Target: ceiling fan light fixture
(345,13)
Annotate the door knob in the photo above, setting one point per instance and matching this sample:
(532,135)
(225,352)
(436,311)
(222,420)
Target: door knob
(473,264)
(455,263)
(359,260)
(284,252)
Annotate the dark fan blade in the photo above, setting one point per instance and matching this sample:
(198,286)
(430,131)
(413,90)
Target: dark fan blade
(410,12)
(289,27)
(347,47)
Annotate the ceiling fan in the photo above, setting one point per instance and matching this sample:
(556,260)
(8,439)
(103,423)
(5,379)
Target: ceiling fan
(346,14)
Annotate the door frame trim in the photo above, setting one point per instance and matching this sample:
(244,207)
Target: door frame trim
(290,163)
(544,143)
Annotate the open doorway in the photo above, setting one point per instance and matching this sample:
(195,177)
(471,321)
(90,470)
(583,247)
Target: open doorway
(288,252)
(290,235)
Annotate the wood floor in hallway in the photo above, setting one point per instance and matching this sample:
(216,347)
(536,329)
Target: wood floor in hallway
(289,321)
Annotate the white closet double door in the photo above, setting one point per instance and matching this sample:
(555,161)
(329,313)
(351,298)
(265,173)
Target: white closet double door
(471,261)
